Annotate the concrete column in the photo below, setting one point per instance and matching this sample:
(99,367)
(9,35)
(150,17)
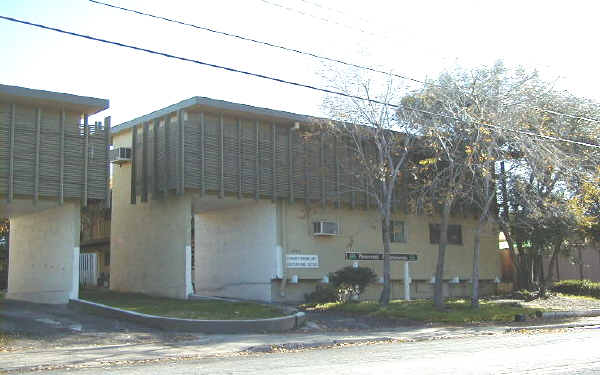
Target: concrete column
(149,242)
(236,250)
(44,255)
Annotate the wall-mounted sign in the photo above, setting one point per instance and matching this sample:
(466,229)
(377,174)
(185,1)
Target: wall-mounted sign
(379,256)
(302,261)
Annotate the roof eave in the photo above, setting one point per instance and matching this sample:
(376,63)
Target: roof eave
(23,95)
(216,105)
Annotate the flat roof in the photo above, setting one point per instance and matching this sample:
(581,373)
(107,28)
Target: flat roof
(22,95)
(200,103)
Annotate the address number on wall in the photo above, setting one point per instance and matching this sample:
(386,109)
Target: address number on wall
(302,261)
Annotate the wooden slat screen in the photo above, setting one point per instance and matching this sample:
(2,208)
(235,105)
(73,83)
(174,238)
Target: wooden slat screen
(49,156)
(306,169)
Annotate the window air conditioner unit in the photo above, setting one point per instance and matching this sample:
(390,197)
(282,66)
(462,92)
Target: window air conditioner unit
(325,228)
(120,155)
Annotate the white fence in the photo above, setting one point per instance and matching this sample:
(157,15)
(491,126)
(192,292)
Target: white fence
(88,269)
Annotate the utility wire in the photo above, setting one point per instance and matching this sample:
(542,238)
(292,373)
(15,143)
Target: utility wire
(279,80)
(305,53)
(268,44)
(199,62)
(326,20)
(313,3)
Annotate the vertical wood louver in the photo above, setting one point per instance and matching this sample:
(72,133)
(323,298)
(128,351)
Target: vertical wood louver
(46,153)
(245,157)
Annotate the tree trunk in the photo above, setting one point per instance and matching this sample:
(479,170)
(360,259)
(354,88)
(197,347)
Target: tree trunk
(580,256)
(438,292)
(552,264)
(384,299)
(475,276)
(541,276)
(504,223)
(525,275)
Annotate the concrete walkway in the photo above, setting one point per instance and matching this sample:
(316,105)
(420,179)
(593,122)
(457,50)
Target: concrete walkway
(210,346)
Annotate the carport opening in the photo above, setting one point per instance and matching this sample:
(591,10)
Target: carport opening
(94,243)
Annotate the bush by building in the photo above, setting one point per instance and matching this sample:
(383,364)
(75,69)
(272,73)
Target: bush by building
(577,287)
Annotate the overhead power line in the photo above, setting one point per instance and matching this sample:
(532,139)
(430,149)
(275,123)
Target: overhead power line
(313,3)
(566,114)
(199,62)
(280,80)
(305,53)
(247,39)
(307,14)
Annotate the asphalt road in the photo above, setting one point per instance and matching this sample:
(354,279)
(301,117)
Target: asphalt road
(567,352)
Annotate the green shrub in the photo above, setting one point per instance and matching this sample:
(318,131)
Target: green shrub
(577,287)
(322,294)
(351,281)
(525,295)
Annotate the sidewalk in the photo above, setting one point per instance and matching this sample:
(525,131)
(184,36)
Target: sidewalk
(210,346)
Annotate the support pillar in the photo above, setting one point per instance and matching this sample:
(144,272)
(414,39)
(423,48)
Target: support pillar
(44,255)
(406,282)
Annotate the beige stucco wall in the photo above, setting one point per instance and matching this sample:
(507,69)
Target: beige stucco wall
(235,250)
(418,289)
(236,245)
(44,255)
(360,230)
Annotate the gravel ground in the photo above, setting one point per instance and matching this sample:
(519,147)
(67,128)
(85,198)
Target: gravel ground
(564,303)
(27,326)
(328,321)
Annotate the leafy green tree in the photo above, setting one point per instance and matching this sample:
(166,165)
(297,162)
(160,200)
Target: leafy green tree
(543,174)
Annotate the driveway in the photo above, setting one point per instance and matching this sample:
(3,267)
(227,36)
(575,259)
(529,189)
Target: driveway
(31,326)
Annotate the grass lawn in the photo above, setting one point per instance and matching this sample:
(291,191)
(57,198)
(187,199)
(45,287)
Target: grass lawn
(175,308)
(457,311)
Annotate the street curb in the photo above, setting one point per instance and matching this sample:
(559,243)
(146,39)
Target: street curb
(552,326)
(569,314)
(280,324)
(271,348)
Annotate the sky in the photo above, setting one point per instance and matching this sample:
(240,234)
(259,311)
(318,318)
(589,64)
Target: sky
(419,39)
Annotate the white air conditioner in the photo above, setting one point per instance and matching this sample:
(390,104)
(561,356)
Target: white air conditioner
(120,155)
(325,228)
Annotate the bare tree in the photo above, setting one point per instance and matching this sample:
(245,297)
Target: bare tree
(378,139)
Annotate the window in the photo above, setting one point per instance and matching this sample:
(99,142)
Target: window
(397,231)
(454,234)
(107,259)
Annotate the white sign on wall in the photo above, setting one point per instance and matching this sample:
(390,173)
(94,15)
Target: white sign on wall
(302,261)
